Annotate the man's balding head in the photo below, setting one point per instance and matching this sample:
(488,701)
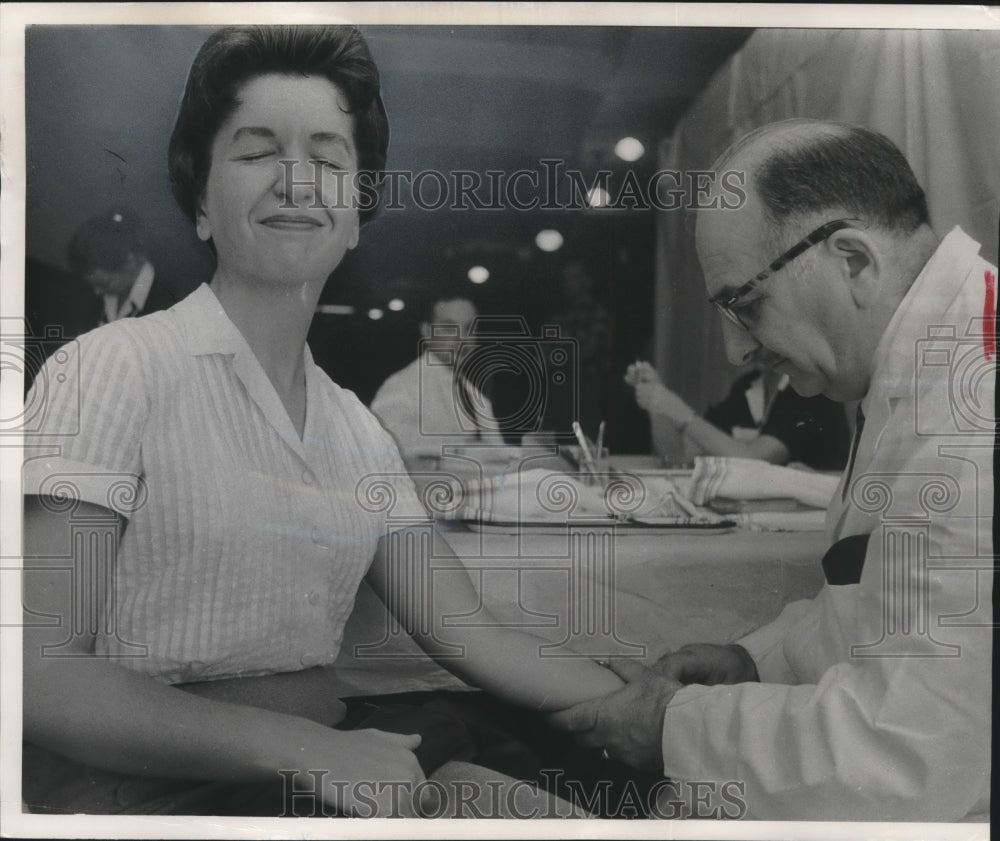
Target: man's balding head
(819,317)
(806,167)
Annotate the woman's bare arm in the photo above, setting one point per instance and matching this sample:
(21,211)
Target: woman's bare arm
(506,662)
(96,711)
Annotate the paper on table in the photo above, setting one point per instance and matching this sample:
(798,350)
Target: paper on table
(744,478)
(530,496)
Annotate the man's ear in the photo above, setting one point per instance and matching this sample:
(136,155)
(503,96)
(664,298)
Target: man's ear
(860,263)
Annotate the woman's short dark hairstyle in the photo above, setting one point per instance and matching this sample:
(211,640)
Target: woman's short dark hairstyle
(234,55)
(105,242)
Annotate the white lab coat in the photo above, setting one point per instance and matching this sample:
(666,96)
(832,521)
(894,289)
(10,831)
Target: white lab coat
(874,701)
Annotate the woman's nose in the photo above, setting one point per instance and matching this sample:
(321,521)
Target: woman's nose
(298,181)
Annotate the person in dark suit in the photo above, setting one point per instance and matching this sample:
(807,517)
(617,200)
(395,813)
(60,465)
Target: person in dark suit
(110,277)
(108,254)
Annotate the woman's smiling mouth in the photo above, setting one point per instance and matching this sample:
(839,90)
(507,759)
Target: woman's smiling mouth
(292,222)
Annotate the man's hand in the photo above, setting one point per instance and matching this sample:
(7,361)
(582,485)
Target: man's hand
(708,665)
(627,724)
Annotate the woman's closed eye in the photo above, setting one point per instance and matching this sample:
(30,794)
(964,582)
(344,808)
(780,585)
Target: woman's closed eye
(330,165)
(258,155)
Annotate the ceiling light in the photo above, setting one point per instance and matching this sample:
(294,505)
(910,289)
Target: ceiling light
(598,197)
(549,240)
(375,313)
(629,149)
(396,304)
(479,274)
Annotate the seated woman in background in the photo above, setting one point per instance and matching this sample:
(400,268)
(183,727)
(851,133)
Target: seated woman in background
(215,470)
(762,417)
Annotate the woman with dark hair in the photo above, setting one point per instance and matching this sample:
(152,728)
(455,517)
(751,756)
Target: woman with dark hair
(211,479)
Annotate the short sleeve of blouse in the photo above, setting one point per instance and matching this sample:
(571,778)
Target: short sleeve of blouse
(83,423)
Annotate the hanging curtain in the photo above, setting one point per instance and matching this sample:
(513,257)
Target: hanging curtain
(936,94)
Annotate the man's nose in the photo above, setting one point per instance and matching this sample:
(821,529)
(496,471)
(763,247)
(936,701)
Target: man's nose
(741,347)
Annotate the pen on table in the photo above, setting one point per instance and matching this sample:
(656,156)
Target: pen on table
(588,459)
(600,440)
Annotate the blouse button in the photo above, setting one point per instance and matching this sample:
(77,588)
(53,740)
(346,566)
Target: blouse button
(317,536)
(309,659)
(314,598)
(307,477)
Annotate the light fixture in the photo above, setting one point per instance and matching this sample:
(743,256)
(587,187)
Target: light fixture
(375,313)
(396,304)
(598,197)
(479,274)
(629,149)
(549,240)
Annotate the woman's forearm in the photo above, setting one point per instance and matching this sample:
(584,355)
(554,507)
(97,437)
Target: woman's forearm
(513,665)
(99,713)
(504,661)
(713,440)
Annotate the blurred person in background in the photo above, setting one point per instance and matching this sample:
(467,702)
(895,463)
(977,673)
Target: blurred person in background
(761,417)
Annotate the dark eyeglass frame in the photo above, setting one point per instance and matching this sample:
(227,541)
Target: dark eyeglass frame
(724,303)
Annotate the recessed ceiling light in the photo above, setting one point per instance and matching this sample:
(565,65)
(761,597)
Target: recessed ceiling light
(549,240)
(598,197)
(375,313)
(479,274)
(629,149)
(396,304)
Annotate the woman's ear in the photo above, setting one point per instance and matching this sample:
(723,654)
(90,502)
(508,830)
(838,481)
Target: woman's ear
(355,233)
(860,263)
(201,223)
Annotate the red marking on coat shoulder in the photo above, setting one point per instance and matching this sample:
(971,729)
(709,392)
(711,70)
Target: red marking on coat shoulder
(989,316)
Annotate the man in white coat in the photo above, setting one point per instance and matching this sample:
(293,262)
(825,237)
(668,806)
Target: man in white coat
(431,403)
(871,701)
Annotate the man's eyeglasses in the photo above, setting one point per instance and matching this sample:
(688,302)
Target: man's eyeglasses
(727,303)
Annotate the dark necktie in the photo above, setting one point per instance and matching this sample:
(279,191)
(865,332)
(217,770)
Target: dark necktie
(859,427)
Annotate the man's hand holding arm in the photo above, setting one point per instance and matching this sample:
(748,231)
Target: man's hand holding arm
(628,723)
(708,665)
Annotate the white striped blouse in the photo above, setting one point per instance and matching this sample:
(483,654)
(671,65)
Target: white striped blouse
(245,544)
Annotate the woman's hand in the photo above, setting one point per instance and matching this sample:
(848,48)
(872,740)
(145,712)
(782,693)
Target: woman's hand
(641,372)
(364,774)
(657,399)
